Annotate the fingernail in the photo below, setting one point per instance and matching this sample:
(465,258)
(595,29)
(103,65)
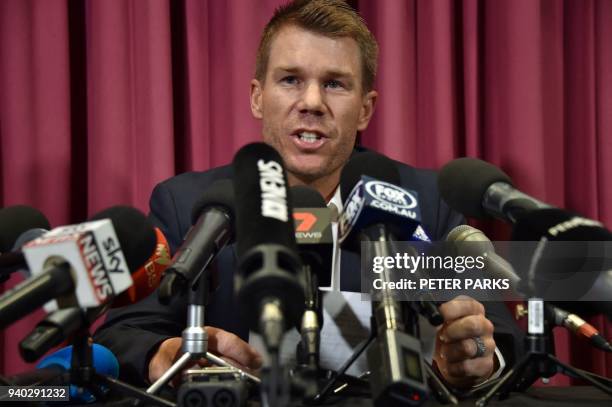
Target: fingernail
(442,355)
(443,338)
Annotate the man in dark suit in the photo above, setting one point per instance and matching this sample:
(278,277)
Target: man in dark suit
(313,91)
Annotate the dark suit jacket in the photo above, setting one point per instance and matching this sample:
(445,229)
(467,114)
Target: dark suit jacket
(134,332)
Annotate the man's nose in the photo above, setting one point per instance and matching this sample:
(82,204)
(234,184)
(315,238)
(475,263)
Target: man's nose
(312,100)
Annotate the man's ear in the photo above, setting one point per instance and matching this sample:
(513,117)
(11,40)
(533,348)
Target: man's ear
(256,96)
(367,109)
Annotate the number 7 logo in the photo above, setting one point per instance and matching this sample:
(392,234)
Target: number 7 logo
(306,221)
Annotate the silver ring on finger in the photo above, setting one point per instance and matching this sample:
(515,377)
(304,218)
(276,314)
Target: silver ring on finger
(481,348)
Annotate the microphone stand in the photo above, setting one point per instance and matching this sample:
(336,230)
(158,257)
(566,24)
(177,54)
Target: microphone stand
(75,321)
(539,361)
(83,374)
(398,339)
(442,393)
(307,352)
(364,345)
(195,337)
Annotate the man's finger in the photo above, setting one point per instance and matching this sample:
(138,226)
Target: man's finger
(465,349)
(466,327)
(459,307)
(228,345)
(480,367)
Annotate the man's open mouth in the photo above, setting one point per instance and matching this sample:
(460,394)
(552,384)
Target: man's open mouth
(309,137)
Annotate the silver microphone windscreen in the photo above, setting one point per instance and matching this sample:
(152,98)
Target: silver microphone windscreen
(495,264)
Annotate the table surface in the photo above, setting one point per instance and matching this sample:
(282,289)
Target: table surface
(577,396)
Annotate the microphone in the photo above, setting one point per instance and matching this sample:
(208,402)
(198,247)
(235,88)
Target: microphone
(212,230)
(479,189)
(147,278)
(476,189)
(573,263)
(313,231)
(104,362)
(51,331)
(14,260)
(16,221)
(28,236)
(85,260)
(315,243)
(60,324)
(579,327)
(469,241)
(377,211)
(500,268)
(374,198)
(558,225)
(376,206)
(269,287)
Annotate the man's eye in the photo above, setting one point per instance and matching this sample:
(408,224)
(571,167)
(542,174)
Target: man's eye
(334,84)
(290,80)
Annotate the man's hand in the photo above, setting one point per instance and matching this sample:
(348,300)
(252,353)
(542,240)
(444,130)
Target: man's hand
(220,342)
(456,350)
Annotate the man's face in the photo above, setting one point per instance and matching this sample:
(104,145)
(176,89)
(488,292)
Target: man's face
(312,102)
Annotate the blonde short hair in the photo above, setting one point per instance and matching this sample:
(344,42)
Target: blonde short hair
(333,18)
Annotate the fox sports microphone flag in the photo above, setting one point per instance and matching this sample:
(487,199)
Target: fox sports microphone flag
(369,185)
(267,252)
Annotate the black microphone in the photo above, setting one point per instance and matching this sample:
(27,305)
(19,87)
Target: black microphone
(573,260)
(315,243)
(28,236)
(212,230)
(269,287)
(379,212)
(51,331)
(15,261)
(476,188)
(16,221)
(313,231)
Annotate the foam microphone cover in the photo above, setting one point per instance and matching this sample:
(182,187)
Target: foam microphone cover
(27,237)
(15,220)
(464,181)
(265,236)
(135,233)
(306,197)
(263,207)
(531,226)
(367,163)
(103,360)
(219,195)
(566,270)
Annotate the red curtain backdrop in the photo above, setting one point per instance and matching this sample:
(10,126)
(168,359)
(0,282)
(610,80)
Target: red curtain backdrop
(102,99)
